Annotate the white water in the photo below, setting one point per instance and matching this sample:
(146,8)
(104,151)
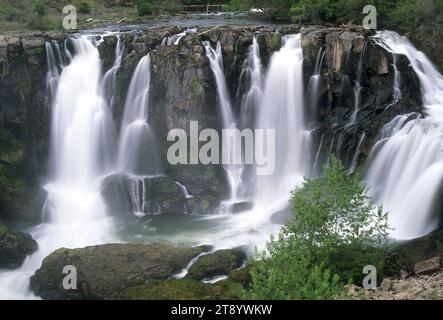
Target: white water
(357,86)
(137,149)
(229,123)
(406,169)
(252,75)
(81,132)
(314,85)
(282,109)
(175,38)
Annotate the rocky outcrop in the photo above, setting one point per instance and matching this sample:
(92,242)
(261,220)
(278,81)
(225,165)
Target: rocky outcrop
(415,287)
(220,262)
(24,122)
(351,55)
(14,247)
(104,271)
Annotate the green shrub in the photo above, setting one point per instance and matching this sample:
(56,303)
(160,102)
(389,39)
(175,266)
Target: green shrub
(84,8)
(39,8)
(144,8)
(335,231)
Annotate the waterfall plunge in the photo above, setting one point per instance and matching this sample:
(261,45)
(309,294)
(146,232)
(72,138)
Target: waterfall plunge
(137,153)
(81,139)
(282,109)
(233,171)
(406,166)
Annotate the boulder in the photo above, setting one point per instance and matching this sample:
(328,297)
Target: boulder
(221,262)
(14,247)
(427,266)
(104,270)
(386,284)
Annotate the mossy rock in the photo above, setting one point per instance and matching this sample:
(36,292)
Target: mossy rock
(183,289)
(14,247)
(221,262)
(105,270)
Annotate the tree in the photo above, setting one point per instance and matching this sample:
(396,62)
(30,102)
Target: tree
(333,219)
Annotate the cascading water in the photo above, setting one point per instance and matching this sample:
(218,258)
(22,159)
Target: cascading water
(110,76)
(175,38)
(282,110)
(81,133)
(137,157)
(405,170)
(233,170)
(252,75)
(314,85)
(137,150)
(357,86)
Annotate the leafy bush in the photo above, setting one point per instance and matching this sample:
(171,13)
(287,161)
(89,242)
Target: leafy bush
(84,8)
(144,8)
(39,8)
(334,233)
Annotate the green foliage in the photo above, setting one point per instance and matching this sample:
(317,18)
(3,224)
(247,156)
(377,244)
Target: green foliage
(405,15)
(334,233)
(84,8)
(39,8)
(313,11)
(42,23)
(144,8)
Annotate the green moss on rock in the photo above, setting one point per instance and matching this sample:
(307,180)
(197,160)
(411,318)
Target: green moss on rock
(183,289)
(14,247)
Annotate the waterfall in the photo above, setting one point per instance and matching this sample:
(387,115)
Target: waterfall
(396,94)
(357,85)
(110,76)
(282,109)
(314,85)
(137,153)
(357,153)
(405,169)
(175,38)
(81,135)
(233,171)
(252,76)
(251,91)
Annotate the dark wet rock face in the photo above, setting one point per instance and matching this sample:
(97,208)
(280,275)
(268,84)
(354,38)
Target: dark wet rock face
(106,270)
(24,122)
(14,247)
(351,56)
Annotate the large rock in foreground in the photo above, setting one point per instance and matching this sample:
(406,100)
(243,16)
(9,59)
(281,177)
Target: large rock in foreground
(221,262)
(105,271)
(14,247)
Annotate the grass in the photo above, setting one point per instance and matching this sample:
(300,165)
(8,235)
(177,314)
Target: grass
(19,15)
